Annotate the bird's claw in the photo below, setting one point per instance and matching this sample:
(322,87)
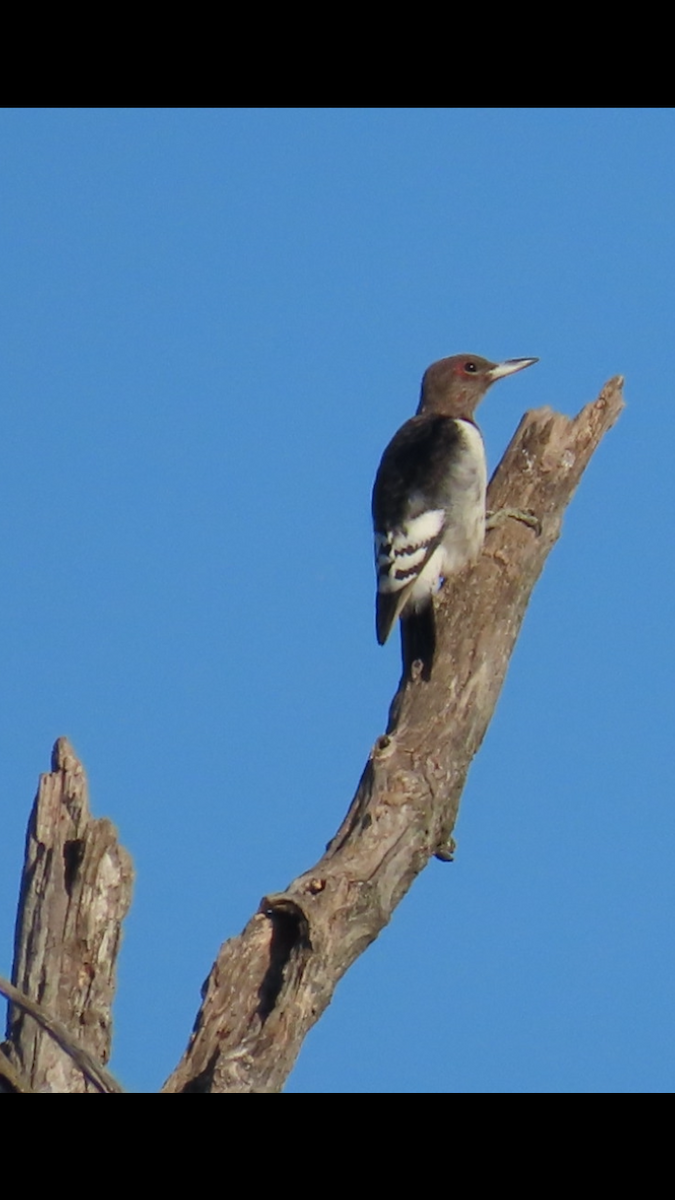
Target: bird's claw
(524,515)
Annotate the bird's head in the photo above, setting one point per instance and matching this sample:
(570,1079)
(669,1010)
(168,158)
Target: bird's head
(455,386)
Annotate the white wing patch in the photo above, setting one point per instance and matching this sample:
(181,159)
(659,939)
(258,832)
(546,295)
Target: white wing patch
(400,553)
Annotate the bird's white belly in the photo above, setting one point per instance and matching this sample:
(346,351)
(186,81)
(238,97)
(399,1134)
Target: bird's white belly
(464,516)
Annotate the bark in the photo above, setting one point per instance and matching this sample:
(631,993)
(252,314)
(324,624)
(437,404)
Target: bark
(271,983)
(75,891)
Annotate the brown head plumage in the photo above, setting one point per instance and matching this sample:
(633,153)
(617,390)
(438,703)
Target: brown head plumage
(455,386)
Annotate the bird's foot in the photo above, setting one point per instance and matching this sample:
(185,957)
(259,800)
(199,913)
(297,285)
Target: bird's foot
(525,515)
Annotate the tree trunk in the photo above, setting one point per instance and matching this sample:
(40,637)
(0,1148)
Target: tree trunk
(270,984)
(75,892)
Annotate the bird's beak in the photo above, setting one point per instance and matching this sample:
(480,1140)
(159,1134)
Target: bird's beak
(510,367)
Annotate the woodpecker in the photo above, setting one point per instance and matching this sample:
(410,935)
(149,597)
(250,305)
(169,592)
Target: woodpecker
(429,499)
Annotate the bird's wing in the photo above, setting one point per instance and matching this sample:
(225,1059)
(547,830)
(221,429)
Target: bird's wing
(401,554)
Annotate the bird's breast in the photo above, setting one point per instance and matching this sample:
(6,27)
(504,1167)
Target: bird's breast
(463,494)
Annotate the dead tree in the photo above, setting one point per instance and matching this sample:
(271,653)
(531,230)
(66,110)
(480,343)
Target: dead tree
(270,984)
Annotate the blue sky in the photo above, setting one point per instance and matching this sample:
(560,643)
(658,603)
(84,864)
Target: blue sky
(212,323)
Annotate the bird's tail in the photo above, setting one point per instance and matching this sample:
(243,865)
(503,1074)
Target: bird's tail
(418,639)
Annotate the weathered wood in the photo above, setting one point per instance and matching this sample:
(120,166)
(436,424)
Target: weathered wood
(271,983)
(92,1070)
(75,892)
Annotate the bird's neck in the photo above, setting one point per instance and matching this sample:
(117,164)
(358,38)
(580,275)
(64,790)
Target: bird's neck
(437,408)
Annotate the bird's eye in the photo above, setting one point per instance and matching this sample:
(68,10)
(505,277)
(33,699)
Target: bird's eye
(470,367)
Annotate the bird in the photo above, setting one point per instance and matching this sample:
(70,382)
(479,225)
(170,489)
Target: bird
(428,501)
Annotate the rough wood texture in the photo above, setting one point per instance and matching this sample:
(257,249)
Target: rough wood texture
(269,985)
(11,1079)
(75,892)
